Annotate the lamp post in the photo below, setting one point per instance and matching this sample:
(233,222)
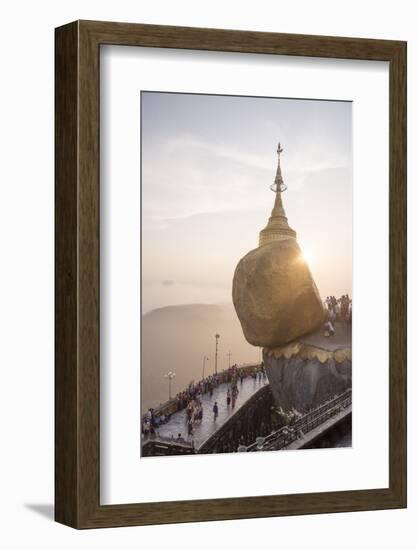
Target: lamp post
(229,355)
(170,376)
(204,364)
(217,349)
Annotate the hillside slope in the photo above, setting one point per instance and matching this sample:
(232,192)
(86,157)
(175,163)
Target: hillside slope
(176,338)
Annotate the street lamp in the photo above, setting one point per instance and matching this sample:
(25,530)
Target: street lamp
(204,364)
(217,336)
(229,355)
(170,376)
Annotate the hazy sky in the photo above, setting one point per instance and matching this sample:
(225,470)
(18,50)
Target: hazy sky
(207,164)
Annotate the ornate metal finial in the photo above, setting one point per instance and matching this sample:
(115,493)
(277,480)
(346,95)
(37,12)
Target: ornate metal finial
(278,186)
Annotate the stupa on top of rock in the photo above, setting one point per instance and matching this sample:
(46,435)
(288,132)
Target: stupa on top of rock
(277,228)
(280,310)
(274,294)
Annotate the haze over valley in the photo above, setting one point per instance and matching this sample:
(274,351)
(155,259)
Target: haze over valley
(176,338)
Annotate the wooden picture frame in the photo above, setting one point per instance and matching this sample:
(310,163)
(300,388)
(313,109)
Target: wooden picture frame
(77,359)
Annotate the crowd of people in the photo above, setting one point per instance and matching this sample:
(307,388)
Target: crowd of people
(152,421)
(193,414)
(337,310)
(190,399)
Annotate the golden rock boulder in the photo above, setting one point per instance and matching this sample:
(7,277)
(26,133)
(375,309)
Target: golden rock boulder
(274,294)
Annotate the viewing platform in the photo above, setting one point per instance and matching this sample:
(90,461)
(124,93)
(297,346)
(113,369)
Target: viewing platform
(203,431)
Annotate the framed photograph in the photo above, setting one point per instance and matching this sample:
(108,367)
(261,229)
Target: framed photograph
(230,274)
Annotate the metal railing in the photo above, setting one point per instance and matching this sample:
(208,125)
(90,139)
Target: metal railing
(166,439)
(290,433)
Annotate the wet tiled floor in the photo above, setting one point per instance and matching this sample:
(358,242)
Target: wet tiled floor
(177,423)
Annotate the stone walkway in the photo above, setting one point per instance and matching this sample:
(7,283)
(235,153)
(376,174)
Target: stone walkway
(177,423)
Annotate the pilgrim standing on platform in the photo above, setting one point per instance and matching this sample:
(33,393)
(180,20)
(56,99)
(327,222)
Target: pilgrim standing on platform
(215,410)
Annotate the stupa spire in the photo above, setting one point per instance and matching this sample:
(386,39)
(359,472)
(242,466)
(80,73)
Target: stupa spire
(277,228)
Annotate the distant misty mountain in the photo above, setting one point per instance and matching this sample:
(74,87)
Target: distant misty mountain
(176,338)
